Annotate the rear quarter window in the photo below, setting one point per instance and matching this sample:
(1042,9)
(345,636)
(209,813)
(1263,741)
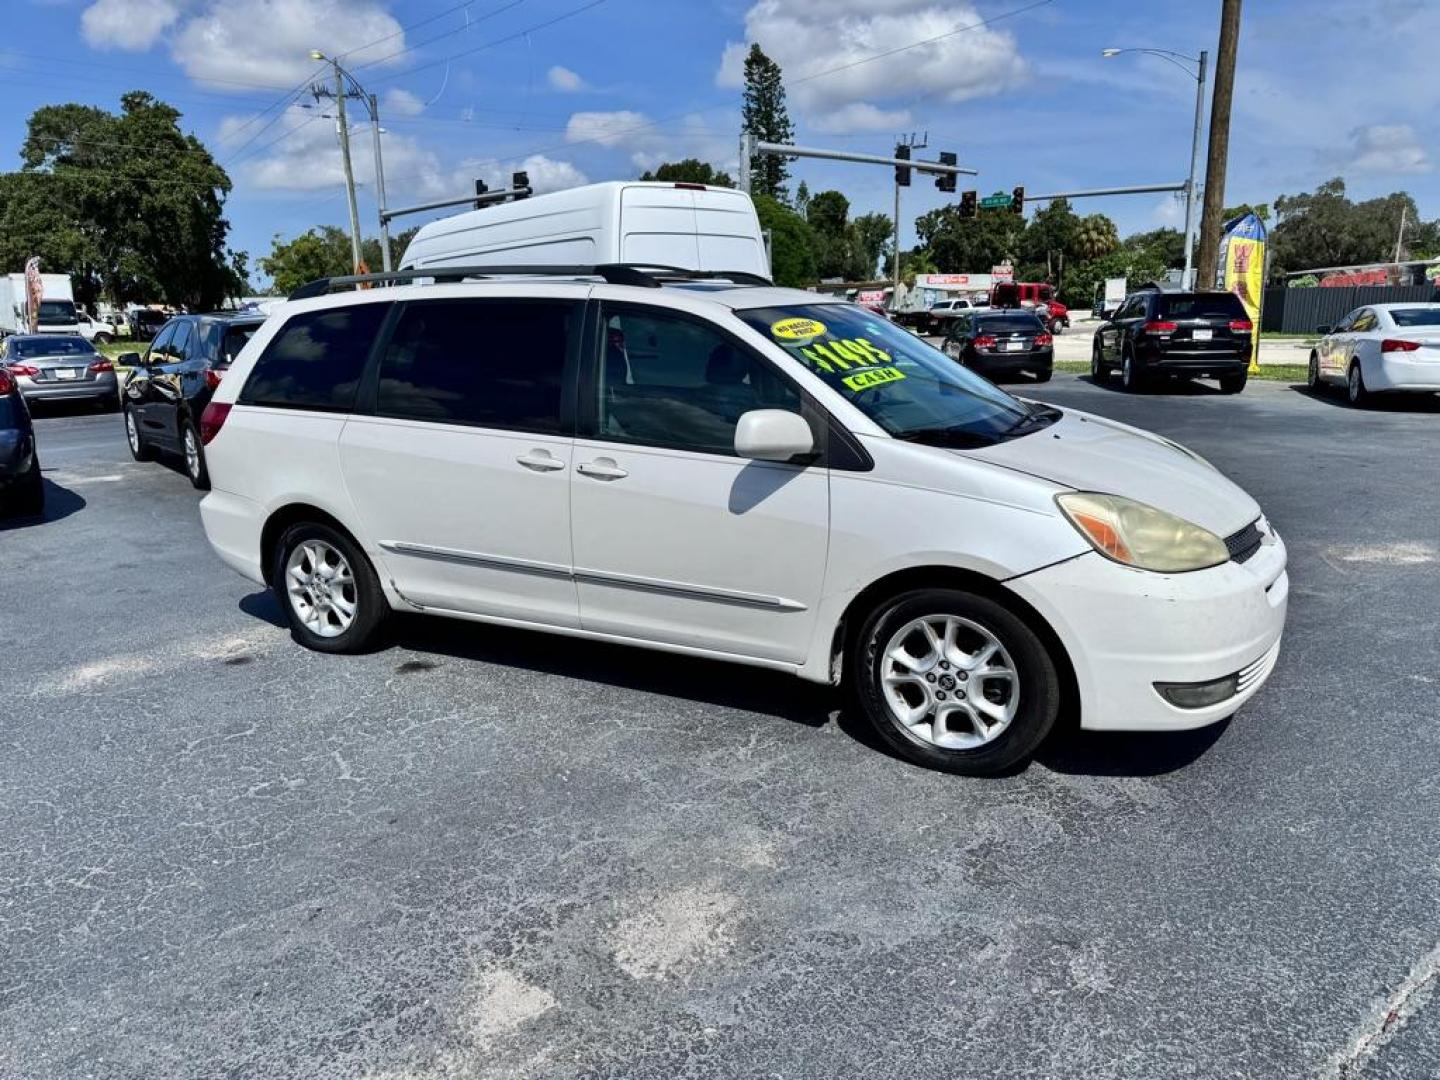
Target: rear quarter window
(316,360)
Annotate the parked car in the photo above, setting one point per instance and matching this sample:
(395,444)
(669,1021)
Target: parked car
(96,331)
(145,323)
(59,367)
(1002,342)
(942,314)
(172,382)
(746,473)
(1380,349)
(1178,334)
(22,491)
(1055,315)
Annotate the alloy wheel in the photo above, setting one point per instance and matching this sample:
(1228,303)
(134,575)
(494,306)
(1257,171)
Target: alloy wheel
(192,454)
(321,589)
(949,682)
(132,433)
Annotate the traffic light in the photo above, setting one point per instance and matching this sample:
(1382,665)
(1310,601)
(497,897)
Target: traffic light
(518,181)
(968,204)
(946,181)
(1017,201)
(902,172)
(480,189)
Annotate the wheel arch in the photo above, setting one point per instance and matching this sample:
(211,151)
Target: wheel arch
(897,582)
(293,514)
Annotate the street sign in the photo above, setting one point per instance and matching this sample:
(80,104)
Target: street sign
(998,201)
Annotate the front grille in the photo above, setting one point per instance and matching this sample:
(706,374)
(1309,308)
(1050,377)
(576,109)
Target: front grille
(1244,544)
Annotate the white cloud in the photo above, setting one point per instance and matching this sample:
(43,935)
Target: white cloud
(648,143)
(128,25)
(565,80)
(1388,148)
(830,52)
(269,41)
(402,103)
(861,116)
(546,174)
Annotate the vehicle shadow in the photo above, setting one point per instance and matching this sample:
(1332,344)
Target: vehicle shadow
(712,682)
(265,606)
(47,410)
(1379,403)
(1158,388)
(60,503)
(1076,752)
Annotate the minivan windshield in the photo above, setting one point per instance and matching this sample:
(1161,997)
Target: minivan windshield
(911,390)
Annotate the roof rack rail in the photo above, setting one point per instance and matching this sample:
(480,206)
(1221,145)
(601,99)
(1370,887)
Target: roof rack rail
(642,275)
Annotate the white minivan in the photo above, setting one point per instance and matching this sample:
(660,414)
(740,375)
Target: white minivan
(690,226)
(745,473)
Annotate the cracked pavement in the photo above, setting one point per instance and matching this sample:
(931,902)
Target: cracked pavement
(483,853)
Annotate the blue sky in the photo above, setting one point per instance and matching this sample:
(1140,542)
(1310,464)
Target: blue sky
(579,90)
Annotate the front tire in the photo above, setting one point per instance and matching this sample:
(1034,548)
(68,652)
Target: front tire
(1312,376)
(328,589)
(954,681)
(195,467)
(1355,386)
(103,339)
(139,448)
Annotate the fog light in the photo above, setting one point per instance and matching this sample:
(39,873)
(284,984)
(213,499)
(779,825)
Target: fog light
(1197,695)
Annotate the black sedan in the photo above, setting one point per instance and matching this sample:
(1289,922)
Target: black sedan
(21,489)
(996,343)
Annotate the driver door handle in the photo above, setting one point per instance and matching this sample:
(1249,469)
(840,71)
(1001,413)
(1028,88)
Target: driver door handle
(540,461)
(602,469)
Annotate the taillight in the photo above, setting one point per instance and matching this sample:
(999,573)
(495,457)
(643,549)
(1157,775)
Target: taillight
(1161,327)
(1398,345)
(7,384)
(1043,339)
(212,420)
(28,370)
(213,377)
(1241,326)
(102,365)
(985,341)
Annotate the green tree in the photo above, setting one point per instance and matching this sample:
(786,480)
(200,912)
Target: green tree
(802,199)
(1260,210)
(763,114)
(689,171)
(1325,228)
(127,204)
(873,235)
(968,245)
(1096,236)
(323,251)
(1137,267)
(1049,236)
(792,243)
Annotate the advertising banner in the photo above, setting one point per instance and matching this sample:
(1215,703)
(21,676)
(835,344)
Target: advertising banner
(1244,272)
(34,292)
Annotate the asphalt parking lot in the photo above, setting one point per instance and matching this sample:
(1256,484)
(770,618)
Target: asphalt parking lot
(486,853)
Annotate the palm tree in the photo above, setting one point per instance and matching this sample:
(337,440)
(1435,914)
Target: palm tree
(1095,236)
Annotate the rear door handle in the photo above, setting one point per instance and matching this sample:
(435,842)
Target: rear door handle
(602,469)
(540,461)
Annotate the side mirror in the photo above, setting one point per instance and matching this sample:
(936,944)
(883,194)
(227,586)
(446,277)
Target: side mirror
(773,435)
(1324,328)
(128,359)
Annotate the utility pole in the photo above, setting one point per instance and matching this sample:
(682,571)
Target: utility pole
(1400,236)
(345,161)
(380,185)
(1218,157)
(1190,184)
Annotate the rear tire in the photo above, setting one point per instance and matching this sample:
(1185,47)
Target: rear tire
(985,654)
(1233,384)
(139,448)
(1043,376)
(194,450)
(1131,375)
(29,500)
(328,590)
(103,339)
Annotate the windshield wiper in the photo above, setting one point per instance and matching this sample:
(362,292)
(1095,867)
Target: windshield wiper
(1034,419)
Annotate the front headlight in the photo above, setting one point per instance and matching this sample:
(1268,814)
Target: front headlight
(1141,536)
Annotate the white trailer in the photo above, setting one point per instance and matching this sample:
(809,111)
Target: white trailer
(57,307)
(691,226)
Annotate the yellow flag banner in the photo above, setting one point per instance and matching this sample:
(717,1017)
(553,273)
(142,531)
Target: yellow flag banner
(1245,273)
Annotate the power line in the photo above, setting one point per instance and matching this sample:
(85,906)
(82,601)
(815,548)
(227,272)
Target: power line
(421,44)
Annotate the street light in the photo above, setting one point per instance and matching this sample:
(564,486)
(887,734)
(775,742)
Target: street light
(1183,62)
(375,131)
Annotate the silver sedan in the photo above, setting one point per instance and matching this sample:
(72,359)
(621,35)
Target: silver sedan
(59,367)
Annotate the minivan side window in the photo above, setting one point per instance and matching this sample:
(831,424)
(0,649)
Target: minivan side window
(316,360)
(492,363)
(671,381)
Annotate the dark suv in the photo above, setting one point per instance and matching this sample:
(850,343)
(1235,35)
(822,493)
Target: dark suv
(21,489)
(172,383)
(1184,334)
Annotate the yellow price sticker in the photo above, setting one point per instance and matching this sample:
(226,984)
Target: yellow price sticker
(864,380)
(797,329)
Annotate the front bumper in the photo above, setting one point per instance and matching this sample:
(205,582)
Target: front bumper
(1126,630)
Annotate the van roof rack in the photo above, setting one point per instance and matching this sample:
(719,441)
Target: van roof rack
(642,275)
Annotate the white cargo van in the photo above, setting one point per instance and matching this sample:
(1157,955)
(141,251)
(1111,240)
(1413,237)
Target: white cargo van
(691,226)
(57,308)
